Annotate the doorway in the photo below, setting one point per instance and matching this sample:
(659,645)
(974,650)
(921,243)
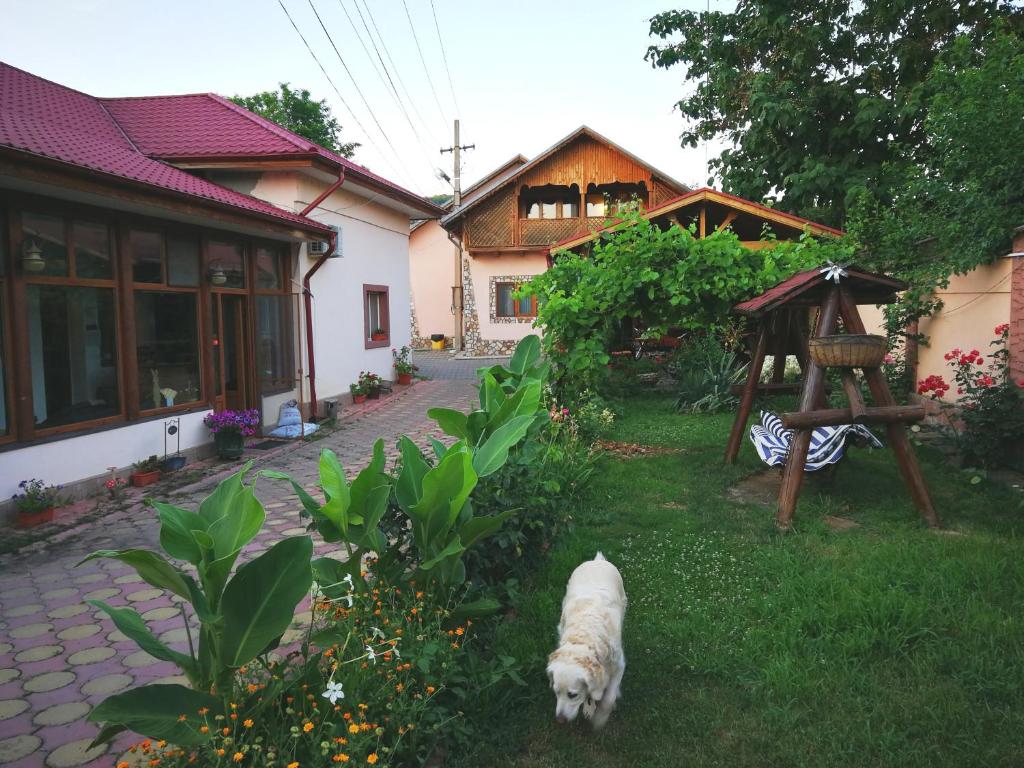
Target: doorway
(232,377)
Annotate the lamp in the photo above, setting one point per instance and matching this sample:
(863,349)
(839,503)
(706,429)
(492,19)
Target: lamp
(32,260)
(217,276)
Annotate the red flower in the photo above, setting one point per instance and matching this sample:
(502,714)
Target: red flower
(1001,329)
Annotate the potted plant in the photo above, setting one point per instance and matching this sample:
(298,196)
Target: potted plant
(358,393)
(37,502)
(403,364)
(370,384)
(145,472)
(229,427)
(115,487)
(378,334)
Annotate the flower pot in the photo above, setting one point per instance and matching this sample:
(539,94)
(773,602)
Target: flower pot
(32,519)
(228,444)
(378,337)
(373,394)
(140,479)
(848,350)
(405,379)
(172,463)
(357,399)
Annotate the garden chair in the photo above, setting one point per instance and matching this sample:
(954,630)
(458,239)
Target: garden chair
(828,444)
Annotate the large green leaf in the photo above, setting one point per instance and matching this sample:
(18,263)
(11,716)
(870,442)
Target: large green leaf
(132,625)
(311,505)
(155,711)
(450,421)
(336,491)
(176,532)
(330,576)
(372,476)
(409,486)
(151,566)
(237,524)
(218,503)
(493,453)
(527,353)
(260,600)
(477,528)
(445,489)
(524,402)
(453,547)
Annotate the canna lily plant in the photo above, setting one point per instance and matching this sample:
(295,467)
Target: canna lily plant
(241,617)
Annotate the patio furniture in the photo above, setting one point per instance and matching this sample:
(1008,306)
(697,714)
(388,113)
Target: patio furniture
(772,442)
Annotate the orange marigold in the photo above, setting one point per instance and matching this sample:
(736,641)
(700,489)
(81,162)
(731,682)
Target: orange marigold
(238,757)
(247,723)
(307,727)
(371,758)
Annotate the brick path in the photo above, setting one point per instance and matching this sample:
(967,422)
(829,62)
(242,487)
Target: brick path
(59,656)
(443,365)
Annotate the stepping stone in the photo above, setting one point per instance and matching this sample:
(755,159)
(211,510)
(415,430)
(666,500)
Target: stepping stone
(91,578)
(18,747)
(139,659)
(159,614)
(143,595)
(129,578)
(48,681)
(101,594)
(57,594)
(74,753)
(5,648)
(12,707)
(106,684)
(68,611)
(39,653)
(31,630)
(62,714)
(6,675)
(24,610)
(79,632)
(91,656)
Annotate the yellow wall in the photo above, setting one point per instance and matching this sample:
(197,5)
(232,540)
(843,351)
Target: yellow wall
(432,265)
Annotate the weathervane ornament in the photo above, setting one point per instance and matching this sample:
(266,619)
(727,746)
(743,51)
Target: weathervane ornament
(833,271)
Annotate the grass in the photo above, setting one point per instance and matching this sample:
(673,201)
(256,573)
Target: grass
(884,645)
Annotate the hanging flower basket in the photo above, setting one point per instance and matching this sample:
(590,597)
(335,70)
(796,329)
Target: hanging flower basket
(848,350)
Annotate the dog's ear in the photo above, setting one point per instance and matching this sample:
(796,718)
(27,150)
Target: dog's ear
(596,680)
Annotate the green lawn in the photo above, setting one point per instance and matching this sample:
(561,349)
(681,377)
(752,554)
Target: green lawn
(885,645)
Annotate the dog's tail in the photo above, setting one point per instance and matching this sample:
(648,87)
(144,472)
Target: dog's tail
(600,556)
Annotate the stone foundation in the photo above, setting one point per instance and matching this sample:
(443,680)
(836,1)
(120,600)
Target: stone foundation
(474,344)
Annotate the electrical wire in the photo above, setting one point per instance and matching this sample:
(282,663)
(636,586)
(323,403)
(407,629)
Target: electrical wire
(444,57)
(426,70)
(363,97)
(341,98)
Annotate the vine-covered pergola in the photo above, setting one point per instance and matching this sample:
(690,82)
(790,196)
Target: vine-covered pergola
(781,315)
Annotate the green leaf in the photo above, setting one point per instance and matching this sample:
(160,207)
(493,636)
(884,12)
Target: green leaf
(219,503)
(445,489)
(132,625)
(238,524)
(453,547)
(477,528)
(440,449)
(410,480)
(155,711)
(527,353)
(493,453)
(176,527)
(450,421)
(259,602)
(478,609)
(151,566)
(336,491)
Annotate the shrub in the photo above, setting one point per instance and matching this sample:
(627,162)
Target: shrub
(706,372)
(36,496)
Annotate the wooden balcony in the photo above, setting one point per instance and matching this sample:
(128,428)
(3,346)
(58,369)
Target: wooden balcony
(548,231)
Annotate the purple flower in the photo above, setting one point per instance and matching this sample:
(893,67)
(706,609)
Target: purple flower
(244,422)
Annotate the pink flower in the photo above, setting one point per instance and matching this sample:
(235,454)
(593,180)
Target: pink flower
(889,359)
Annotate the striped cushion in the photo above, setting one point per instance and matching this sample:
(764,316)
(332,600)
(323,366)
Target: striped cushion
(828,444)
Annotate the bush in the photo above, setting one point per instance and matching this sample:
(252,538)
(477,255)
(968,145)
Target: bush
(706,372)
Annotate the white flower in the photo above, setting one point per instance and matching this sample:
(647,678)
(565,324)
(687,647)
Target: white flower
(371,654)
(348,598)
(334,692)
(348,580)
(375,633)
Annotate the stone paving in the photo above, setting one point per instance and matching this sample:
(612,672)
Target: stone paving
(59,655)
(441,365)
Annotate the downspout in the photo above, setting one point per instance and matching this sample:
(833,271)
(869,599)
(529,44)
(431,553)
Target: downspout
(457,294)
(307,294)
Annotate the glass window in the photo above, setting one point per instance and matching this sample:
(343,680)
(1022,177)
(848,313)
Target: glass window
(268,268)
(45,235)
(506,304)
(570,210)
(182,262)
(533,211)
(549,210)
(167,345)
(4,428)
(226,265)
(72,354)
(595,204)
(375,308)
(92,250)
(147,253)
(376,316)
(274,343)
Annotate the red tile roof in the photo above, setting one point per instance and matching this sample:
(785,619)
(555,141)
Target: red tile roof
(207,126)
(865,287)
(43,118)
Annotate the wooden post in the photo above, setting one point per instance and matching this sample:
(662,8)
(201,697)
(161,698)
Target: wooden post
(813,391)
(853,394)
(897,433)
(747,399)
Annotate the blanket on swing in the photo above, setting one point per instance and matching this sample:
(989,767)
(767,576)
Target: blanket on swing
(828,444)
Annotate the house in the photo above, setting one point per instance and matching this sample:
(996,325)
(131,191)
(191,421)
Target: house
(160,257)
(502,233)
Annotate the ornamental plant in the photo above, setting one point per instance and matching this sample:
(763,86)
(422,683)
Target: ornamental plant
(368,382)
(36,496)
(987,419)
(244,422)
(403,360)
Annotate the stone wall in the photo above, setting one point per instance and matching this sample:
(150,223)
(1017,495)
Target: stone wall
(473,342)
(1016,342)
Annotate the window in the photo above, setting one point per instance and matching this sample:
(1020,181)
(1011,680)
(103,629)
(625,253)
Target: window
(166,298)
(606,199)
(5,429)
(226,265)
(275,334)
(550,202)
(507,305)
(167,348)
(45,235)
(376,318)
(72,354)
(92,251)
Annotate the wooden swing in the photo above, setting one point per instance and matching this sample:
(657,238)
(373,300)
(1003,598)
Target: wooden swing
(781,315)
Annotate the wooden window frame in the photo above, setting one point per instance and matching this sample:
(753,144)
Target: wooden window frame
(284,275)
(515,302)
(529,201)
(368,342)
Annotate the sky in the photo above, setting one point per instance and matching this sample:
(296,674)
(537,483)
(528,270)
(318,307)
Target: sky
(523,74)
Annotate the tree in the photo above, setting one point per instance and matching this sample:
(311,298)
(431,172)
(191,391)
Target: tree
(817,97)
(297,111)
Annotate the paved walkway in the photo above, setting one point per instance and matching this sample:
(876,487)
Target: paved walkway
(59,656)
(445,366)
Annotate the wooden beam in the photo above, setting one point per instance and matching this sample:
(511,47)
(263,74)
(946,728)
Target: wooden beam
(835,417)
(703,221)
(729,219)
(756,245)
(739,426)
(853,394)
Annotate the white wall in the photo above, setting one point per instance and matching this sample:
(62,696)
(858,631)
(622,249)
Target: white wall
(86,456)
(482,269)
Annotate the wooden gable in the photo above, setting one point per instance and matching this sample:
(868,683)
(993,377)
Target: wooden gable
(586,161)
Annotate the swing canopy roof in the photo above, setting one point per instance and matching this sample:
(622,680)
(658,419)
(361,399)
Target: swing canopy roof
(808,288)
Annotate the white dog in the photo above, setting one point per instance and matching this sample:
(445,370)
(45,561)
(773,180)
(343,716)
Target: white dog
(586,669)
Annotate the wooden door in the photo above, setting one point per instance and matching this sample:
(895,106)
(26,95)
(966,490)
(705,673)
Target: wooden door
(233,388)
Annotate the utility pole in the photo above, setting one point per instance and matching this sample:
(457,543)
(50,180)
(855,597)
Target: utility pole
(457,305)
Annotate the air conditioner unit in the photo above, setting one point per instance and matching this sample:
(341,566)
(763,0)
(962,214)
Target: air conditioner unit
(320,247)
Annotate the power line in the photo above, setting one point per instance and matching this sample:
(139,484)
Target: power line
(360,92)
(444,56)
(391,61)
(341,98)
(393,91)
(426,71)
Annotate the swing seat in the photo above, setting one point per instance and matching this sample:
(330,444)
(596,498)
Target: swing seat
(828,444)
